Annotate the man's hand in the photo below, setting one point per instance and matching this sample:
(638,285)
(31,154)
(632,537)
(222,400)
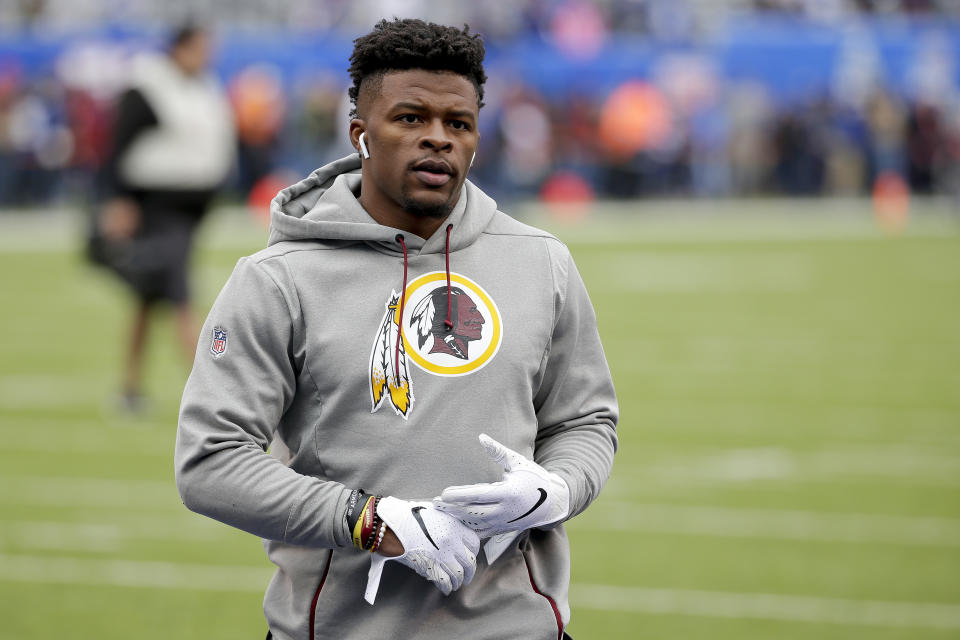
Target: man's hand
(528,496)
(437,546)
(391,545)
(119,219)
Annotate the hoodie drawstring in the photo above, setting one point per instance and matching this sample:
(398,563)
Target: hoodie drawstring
(447,323)
(403,291)
(403,300)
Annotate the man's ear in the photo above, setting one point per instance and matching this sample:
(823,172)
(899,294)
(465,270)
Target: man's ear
(357,128)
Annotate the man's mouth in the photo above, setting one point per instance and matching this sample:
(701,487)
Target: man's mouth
(433,173)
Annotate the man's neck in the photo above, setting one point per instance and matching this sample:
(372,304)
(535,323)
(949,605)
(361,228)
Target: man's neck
(392,215)
(416,225)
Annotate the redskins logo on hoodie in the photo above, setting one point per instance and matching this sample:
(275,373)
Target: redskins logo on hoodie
(424,337)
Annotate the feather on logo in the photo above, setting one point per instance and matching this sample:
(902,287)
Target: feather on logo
(422,319)
(389,379)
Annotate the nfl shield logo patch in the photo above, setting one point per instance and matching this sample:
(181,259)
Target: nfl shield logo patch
(218,345)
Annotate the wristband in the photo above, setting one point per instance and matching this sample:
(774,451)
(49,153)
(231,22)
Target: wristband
(364,523)
(368,534)
(362,520)
(355,502)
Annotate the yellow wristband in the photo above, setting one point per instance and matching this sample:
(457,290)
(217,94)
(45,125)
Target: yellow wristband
(358,527)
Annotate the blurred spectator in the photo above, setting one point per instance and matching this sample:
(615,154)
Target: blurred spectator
(35,144)
(636,131)
(526,140)
(925,136)
(799,149)
(751,148)
(173,146)
(311,137)
(886,135)
(258,104)
(577,29)
(846,144)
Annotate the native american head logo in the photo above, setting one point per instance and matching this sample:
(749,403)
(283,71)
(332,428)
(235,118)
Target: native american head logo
(444,330)
(443,305)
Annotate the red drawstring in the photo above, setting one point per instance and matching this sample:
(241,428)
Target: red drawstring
(447,323)
(403,293)
(403,300)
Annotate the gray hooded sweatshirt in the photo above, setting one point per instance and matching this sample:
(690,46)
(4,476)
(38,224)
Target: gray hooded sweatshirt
(301,392)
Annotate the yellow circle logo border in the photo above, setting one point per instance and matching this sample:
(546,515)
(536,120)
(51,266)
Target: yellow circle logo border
(486,356)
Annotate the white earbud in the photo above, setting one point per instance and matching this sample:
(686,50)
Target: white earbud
(472,158)
(363,146)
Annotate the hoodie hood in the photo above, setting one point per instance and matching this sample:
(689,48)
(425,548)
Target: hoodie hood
(324,206)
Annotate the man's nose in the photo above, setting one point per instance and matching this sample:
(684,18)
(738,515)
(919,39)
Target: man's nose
(436,137)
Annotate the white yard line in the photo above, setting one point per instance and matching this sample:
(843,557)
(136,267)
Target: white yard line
(766,606)
(92,445)
(640,600)
(108,537)
(828,417)
(41,390)
(130,573)
(89,492)
(907,465)
(777,524)
(693,272)
(109,438)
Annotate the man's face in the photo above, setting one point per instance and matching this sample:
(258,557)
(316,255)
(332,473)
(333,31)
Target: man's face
(421,131)
(469,319)
(193,55)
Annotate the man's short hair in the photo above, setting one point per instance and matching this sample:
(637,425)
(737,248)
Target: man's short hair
(399,45)
(183,34)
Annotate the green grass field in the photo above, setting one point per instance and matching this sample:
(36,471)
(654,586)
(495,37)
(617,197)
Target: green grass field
(789,380)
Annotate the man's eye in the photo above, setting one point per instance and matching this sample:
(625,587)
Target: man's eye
(460,124)
(409,118)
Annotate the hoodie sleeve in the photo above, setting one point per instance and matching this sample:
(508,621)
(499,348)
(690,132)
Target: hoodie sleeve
(576,403)
(233,402)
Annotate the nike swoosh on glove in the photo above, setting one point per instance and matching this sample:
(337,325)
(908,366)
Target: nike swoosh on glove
(529,496)
(437,546)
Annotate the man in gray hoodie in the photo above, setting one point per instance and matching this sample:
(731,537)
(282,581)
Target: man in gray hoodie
(405,393)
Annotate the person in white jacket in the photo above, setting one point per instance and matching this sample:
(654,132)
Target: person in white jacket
(173,146)
(405,393)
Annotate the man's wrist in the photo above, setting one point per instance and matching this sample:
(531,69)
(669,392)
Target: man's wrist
(365,527)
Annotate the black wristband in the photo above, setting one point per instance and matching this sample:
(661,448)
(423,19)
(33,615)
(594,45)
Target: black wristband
(355,502)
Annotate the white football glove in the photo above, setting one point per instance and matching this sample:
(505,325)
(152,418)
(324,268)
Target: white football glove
(437,546)
(529,496)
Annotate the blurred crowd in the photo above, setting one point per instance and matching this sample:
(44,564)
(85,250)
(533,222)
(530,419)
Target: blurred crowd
(620,98)
(496,20)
